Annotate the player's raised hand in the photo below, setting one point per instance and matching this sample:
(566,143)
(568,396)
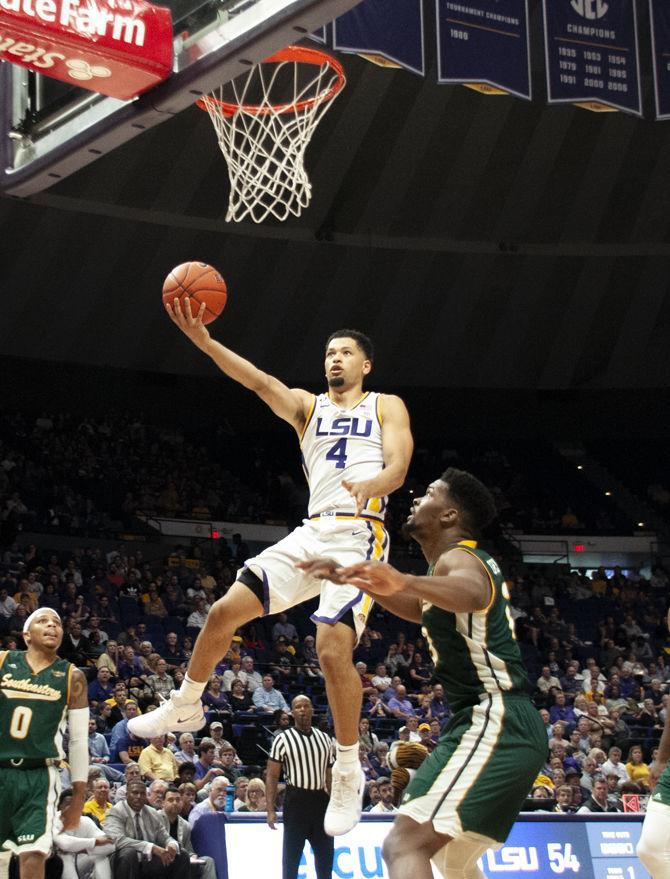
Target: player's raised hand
(322,569)
(377,578)
(361,492)
(191,325)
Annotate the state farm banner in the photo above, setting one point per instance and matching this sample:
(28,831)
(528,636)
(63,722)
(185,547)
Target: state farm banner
(592,54)
(388,29)
(485,42)
(119,48)
(659,17)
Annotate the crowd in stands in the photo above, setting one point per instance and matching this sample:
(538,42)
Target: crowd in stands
(596,648)
(62,473)
(595,644)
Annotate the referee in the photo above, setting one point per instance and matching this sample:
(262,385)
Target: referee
(305,754)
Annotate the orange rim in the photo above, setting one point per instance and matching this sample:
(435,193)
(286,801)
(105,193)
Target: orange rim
(290,53)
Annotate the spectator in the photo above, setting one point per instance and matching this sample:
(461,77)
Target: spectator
(101,688)
(240,700)
(98,749)
(400,705)
(252,679)
(255,797)
(231,674)
(157,761)
(180,830)
(598,801)
(563,795)
(188,793)
(240,793)
(547,681)
(156,793)
(385,803)
(613,765)
(637,769)
(124,746)
(439,710)
(132,773)
(613,791)
(214,699)
(85,849)
(368,739)
(284,629)
(161,683)
(560,710)
(131,665)
(215,802)
(268,700)
(110,658)
(205,770)
(228,757)
(381,680)
(186,752)
(75,646)
(98,805)
(138,830)
(198,618)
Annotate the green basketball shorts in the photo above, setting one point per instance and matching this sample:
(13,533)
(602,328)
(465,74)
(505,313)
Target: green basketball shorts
(483,768)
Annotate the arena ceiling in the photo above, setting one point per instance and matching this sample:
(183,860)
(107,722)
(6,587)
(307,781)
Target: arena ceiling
(482,241)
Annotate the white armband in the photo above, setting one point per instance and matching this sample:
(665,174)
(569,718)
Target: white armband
(77,722)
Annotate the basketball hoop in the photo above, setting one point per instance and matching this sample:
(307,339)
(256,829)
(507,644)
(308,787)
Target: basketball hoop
(264,121)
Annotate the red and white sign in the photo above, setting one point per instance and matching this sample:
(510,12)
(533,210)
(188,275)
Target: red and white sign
(120,48)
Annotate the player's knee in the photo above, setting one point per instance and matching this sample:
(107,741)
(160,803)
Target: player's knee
(393,848)
(646,853)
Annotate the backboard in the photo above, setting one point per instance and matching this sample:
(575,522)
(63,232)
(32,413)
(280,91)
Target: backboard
(49,129)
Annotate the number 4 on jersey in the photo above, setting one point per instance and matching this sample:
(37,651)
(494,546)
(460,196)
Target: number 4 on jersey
(338,453)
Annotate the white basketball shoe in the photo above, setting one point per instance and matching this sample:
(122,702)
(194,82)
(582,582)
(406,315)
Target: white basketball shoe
(172,715)
(346,802)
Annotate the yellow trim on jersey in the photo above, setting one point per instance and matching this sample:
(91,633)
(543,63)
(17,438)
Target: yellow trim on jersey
(366,606)
(380,535)
(69,683)
(351,408)
(378,410)
(374,505)
(308,419)
(468,546)
(3,656)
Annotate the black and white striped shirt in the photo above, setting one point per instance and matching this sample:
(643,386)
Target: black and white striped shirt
(304,756)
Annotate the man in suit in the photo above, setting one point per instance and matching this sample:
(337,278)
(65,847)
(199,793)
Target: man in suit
(144,848)
(180,830)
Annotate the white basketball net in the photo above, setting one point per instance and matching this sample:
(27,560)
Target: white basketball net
(264,142)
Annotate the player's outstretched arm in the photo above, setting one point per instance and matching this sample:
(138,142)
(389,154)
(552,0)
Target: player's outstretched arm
(458,584)
(397,447)
(78,748)
(291,404)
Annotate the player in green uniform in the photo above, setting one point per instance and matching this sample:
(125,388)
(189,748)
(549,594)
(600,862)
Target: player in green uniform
(653,849)
(466,795)
(39,694)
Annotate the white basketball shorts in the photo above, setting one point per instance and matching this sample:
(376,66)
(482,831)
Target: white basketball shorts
(344,538)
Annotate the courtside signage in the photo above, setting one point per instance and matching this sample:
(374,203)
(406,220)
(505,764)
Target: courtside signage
(538,849)
(119,48)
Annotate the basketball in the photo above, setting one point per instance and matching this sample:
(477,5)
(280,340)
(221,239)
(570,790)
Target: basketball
(201,283)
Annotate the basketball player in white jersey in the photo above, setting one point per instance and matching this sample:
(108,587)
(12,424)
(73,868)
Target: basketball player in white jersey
(356,449)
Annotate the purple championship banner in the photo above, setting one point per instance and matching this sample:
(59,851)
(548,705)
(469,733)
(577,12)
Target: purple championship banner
(486,43)
(387,29)
(659,18)
(592,54)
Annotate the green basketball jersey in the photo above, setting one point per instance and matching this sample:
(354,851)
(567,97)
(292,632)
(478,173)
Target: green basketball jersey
(475,653)
(33,707)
